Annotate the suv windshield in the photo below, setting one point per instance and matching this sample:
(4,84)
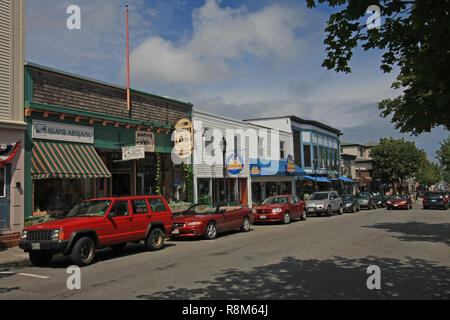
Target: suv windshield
(347,198)
(432,194)
(319,196)
(202,209)
(276,200)
(93,208)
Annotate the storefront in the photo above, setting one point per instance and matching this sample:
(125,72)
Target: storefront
(271,178)
(74,156)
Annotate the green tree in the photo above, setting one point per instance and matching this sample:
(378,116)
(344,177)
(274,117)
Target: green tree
(414,36)
(395,160)
(443,154)
(428,174)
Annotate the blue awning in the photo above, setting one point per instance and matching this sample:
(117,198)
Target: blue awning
(319,179)
(262,167)
(346,179)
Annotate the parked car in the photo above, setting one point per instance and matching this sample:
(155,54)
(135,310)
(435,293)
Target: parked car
(435,199)
(98,223)
(350,203)
(380,200)
(208,220)
(324,202)
(281,208)
(366,200)
(399,201)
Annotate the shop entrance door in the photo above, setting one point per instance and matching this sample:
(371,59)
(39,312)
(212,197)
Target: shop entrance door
(121,184)
(140,184)
(5,180)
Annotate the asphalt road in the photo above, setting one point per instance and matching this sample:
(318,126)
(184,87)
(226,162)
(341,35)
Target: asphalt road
(320,258)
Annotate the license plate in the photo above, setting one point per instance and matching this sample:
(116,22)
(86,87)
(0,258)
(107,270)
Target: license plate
(176,231)
(36,246)
(262,217)
(433,200)
(311,209)
(395,205)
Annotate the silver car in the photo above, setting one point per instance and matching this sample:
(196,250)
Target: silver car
(324,202)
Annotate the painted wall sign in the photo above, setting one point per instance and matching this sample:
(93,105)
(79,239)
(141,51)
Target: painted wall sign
(183,137)
(134,152)
(146,139)
(62,132)
(255,170)
(234,164)
(290,165)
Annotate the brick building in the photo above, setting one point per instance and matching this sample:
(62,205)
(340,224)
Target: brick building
(77,128)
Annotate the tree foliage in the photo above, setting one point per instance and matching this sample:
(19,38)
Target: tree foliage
(395,160)
(428,174)
(443,154)
(414,36)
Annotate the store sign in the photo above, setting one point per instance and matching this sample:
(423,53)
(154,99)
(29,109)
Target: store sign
(146,139)
(62,132)
(290,165)
(234,164)
(183,137)
(255,170)
(132,153)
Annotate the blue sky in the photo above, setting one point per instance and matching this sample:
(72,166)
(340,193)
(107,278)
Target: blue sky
(242,59)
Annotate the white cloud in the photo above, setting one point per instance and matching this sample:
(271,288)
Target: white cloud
(221,37)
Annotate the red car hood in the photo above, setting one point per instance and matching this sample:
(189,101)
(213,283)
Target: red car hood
(65,223)
(269,206)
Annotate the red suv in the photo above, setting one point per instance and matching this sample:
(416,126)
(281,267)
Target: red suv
(99,223)
(282,208)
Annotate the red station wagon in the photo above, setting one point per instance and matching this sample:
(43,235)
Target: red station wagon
(281,208)
(209,220)
(98,223)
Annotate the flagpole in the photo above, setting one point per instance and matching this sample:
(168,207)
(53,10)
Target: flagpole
(128,63)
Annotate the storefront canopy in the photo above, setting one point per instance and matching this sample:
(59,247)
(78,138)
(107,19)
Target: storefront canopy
(55,160)
(273,168)
(319,179)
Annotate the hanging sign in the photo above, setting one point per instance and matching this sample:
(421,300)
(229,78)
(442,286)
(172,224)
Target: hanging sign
(146,139)
(133,153)
(255,170)
(183,137)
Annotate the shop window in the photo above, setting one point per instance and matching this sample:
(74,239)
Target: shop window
(157,205)
(203,191)
(307,155)
(139,206)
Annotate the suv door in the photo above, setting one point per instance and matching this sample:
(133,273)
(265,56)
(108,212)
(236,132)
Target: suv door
(141,217)
(160,212)
(119,223)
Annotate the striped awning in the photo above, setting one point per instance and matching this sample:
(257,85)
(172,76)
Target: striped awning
(55,160)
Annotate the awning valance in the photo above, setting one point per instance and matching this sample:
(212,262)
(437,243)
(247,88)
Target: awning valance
(56,160)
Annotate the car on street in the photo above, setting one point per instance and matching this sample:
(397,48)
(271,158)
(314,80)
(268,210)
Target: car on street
(208,220)
(98,223)
(350,203)
(399,201)
(282,208)
(324,202)
(366,200)
(435,199)
(380,200)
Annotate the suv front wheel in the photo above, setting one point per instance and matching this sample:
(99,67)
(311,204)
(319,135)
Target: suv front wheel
(83,251)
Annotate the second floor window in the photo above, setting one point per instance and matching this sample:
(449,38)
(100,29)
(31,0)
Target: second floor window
(282,152)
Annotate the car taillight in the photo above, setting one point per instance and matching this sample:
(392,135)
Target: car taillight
(61,234)
(445,199)
(423,199)
(323,203)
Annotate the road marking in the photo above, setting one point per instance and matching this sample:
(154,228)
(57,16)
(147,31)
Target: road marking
(25,274)
(33,275)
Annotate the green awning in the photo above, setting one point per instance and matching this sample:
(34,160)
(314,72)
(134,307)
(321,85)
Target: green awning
(60,160)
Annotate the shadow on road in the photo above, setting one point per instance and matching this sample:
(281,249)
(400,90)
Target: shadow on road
(417,231)
(336,278)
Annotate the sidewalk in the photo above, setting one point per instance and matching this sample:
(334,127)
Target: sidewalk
(12,256)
